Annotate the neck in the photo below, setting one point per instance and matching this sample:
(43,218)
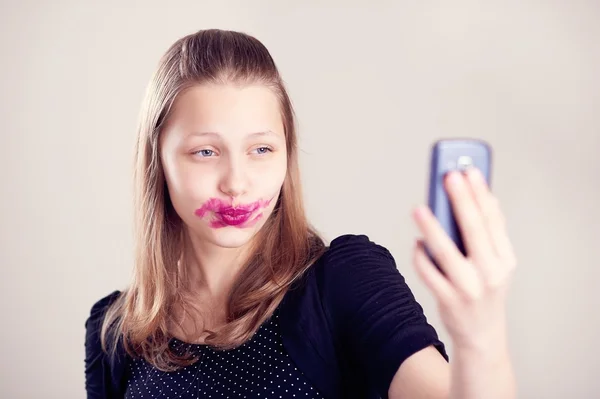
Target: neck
(212,270)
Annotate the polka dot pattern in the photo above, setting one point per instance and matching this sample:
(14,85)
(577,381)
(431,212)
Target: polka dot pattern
(261,368)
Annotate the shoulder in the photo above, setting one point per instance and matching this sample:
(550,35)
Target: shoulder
(354,270)
(356,253)
(357,276)
(99,308)
(93,324)
(104,303)
(103,373)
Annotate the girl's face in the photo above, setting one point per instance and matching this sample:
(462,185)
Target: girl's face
(223,151)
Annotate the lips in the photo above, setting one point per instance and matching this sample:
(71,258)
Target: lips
(233,216)
(243,215)
(234,212)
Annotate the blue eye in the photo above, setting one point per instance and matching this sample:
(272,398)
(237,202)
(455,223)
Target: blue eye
(204,153)
(263,150)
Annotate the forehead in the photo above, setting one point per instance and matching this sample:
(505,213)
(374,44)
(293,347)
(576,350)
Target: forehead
(227,109)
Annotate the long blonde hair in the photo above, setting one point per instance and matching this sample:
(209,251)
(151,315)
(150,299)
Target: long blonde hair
(286,245)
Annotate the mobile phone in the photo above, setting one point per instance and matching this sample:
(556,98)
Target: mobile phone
(448,155)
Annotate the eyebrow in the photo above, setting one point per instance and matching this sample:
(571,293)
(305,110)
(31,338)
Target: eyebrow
(218,135)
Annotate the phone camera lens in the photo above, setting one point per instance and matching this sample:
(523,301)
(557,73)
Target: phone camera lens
(464,162)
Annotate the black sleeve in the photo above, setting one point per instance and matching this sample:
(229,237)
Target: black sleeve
(99,373)
(373,311)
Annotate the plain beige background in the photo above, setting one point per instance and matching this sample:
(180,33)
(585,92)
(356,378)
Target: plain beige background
(374,84)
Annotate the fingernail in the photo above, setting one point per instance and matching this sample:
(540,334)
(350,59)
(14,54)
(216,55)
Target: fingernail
(419,212)
(454,178)
(474,174)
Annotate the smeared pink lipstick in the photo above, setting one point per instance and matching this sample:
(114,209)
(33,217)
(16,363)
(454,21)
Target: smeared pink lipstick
(243,215)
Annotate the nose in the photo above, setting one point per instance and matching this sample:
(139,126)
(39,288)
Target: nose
(234,182)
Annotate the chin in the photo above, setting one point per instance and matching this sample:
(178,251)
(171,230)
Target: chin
(231,237)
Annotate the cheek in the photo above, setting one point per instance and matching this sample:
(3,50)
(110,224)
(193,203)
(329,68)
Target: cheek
(186,184)
(268,180)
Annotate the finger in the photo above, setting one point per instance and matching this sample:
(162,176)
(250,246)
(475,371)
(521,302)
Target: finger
(493,217)
(469,218)
(434,280)
(453,264)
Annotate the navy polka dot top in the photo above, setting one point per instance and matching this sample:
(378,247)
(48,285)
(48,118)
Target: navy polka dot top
(260,368)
